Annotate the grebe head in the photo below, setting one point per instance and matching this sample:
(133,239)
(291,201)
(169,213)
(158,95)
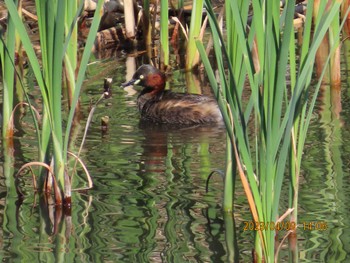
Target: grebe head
(152,79)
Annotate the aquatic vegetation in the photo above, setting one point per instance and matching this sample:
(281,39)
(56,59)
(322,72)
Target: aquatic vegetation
(58,56)
(267,122)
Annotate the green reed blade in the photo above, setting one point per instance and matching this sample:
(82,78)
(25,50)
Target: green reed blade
(164,31)
(7,49)
(81,74)
(195,27)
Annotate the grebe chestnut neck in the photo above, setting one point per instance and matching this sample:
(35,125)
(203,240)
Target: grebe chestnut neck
(164,106)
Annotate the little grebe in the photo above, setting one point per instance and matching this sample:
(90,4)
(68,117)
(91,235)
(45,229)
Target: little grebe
(163,106)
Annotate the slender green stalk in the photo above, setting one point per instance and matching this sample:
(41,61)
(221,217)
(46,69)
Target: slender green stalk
(229,178)
(164,31)
(7,55)
(73,11)
(334,40)
(195,27)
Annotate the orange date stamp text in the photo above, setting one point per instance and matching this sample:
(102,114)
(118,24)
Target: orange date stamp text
(262,226)
(284,225)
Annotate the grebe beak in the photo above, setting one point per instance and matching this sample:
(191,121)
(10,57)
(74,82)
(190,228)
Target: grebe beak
(131,82)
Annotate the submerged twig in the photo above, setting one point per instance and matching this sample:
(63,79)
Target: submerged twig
(88,123)
(106,94)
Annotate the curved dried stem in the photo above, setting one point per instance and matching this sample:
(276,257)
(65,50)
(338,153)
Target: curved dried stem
(58,196)
(281,243)
(29,14)
(184,30)
(11,122)
(33,181)
(90,183)
(288,212)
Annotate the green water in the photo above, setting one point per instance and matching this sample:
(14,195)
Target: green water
(149,202)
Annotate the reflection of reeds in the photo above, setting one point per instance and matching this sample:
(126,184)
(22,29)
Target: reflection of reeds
(279,110)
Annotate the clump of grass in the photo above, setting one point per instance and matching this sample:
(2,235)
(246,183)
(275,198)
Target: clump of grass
(267,123)
(57,24)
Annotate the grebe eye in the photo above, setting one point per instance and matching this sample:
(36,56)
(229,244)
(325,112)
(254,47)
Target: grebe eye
(142,77)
